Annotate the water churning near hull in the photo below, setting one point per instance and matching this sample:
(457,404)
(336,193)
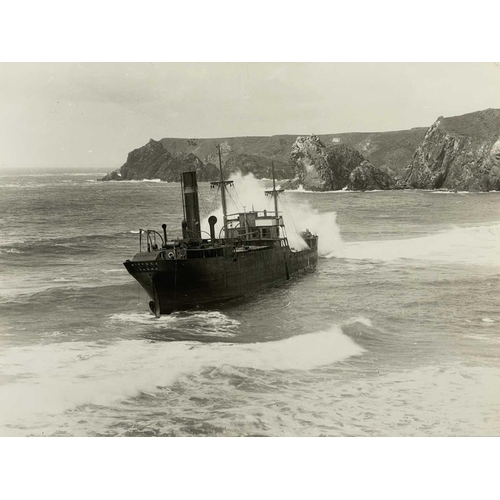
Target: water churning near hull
(298,215)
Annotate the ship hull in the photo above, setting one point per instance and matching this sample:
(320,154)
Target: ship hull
(184,284)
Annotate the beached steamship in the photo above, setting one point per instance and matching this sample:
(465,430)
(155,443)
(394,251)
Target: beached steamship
(248,254)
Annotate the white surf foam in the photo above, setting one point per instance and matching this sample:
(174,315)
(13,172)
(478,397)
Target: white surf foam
(301,189)
(197,322)
(45,380)
(450,192)
(297,215)
(359,319)
(473,245)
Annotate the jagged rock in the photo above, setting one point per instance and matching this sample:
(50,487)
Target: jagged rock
(342,160)
(308,157)
(321,168)
(367,177)
(113,176)
(459,153)
(207,172)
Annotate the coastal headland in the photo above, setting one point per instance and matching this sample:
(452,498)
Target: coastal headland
(459,153)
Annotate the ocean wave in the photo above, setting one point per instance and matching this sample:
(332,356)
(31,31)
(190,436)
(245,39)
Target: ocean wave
(470,245)
(59,174)
(50,379)
(488,320)
(10,250)
(21,186)
(205,323)
(123,181)
(68,244)
(359,319)
(301,189)
(450,192)
(61,294)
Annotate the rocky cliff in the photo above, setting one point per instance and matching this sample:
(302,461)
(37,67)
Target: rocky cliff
(254,154)
(153,161)
(321,168)
(367,177)
(459,153)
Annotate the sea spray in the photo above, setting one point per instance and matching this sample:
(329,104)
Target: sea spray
(303,217)
(478,245)
(298,216)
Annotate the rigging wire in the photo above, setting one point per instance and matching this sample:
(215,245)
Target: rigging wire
(233,197)
(289,214)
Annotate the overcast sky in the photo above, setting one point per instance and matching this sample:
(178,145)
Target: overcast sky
(68,114)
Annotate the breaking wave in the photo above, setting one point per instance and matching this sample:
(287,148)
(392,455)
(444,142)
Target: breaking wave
(472,245)
(44,380)
(123,181)
(301,189)
(205,323)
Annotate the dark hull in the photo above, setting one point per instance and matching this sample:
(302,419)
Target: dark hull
(199,282)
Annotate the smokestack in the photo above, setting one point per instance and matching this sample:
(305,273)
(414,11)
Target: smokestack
(190,188)
(212,220)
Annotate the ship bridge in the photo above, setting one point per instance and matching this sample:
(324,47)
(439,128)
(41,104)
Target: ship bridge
(254,225)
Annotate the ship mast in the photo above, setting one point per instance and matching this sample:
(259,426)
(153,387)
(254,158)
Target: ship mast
(222,184)
(274,193)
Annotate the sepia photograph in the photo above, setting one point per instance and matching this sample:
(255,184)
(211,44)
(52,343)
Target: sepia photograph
(214,230)
(213,249)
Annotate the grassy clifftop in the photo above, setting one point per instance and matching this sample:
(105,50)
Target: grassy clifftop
(393,149)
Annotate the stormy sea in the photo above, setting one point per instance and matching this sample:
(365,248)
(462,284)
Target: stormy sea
(396,333)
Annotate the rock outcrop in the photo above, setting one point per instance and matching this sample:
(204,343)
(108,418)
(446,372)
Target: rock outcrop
(341,161)
(367,177)
(153,161)
(459,153)
(321,168)
(308,157)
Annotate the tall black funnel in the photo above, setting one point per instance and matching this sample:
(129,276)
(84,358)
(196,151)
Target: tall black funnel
(191,203)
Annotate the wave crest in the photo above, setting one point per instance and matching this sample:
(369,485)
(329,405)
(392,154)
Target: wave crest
(472,245)
(51,379)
